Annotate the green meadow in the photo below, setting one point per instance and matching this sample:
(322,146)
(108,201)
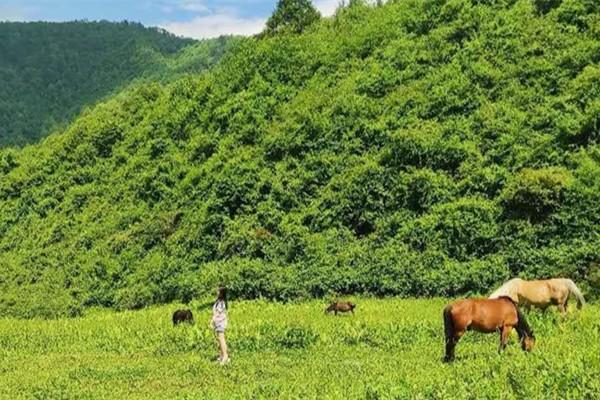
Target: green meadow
(391,349)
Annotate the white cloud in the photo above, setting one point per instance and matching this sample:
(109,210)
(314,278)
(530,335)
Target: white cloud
(214,25)
(327,7)
(9,13)
(226,21)
(194,6)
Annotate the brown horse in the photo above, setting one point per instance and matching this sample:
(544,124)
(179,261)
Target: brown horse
(181,316)
(488,316)
(541,293)
(341,306)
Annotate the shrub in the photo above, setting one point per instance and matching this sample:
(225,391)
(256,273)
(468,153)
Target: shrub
(535,193)
(425,147)
(462,229)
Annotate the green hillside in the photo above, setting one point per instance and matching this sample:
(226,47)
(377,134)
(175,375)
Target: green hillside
(420,148)
(49,71)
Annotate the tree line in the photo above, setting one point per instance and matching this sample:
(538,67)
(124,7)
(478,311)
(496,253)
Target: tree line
(50,71)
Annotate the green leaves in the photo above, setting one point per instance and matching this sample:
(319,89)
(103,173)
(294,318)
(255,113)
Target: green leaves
(50,72)
(426,146)
(535,193)
(416,148)
(292,16)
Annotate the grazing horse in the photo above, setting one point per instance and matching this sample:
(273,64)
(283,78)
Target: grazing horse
(180,316)
(487,316)
(541,294)
(341,306)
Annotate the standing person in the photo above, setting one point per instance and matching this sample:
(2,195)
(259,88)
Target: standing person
(219,323)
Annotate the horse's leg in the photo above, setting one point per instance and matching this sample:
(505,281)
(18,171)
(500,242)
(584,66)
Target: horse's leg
(562,303)
(451,345)
(504,334)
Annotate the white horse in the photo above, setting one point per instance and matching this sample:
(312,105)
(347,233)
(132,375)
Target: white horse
(541,293)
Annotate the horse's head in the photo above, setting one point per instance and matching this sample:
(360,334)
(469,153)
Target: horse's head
(527,343)
(525,332)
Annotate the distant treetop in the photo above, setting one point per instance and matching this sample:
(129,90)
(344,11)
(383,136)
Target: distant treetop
(292,15)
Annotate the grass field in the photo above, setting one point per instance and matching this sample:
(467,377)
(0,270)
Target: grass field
(389,349)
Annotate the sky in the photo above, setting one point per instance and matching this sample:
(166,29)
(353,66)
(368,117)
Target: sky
(191,18)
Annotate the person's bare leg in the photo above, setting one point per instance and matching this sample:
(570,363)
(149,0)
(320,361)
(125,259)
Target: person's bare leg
(222,347)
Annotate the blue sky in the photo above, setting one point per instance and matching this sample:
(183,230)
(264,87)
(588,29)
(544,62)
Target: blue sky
(191,18)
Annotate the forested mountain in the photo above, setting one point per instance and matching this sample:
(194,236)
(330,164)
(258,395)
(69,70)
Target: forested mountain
(50,71)
(419,148)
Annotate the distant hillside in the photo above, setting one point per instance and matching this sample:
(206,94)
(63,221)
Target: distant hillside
(50,71)
(419,148)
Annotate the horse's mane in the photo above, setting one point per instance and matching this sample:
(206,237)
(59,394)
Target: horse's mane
(507,298)
(522,325)
(508,289)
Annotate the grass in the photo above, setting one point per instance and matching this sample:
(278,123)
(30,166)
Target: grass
(390,349)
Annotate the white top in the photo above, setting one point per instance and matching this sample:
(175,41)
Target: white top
(219,312)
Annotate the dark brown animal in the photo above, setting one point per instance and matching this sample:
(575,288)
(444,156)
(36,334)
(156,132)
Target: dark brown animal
(485,315)
(181,316)
(341,306)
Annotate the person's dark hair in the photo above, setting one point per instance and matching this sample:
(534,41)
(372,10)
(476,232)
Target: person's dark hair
(222,295)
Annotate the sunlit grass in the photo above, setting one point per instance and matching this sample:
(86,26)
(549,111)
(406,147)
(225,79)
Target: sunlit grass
(389,349)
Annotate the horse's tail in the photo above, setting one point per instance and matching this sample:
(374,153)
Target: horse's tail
(574,290)
(448,323)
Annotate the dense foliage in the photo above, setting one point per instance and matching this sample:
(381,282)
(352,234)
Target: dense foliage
(292,16)
(49,71)
(391,349)
(424,147)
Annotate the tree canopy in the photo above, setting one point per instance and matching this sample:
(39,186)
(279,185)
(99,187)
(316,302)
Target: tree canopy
(292,16)
(50,71)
